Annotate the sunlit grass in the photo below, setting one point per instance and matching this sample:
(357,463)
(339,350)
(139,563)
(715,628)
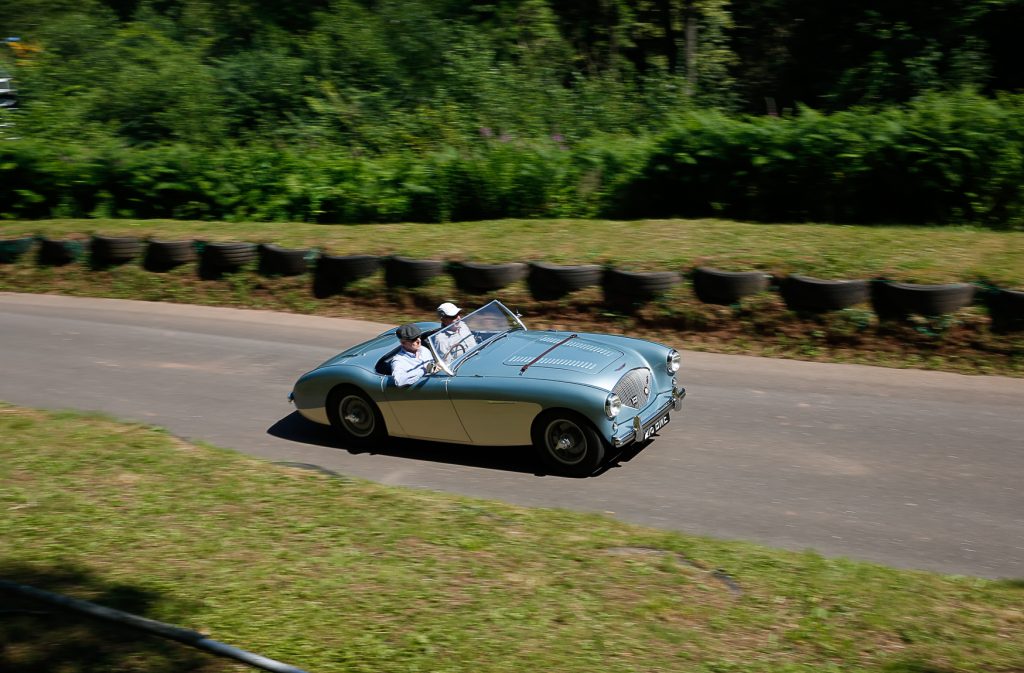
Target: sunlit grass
(336,574)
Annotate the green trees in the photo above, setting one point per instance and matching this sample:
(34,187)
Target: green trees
(436,109)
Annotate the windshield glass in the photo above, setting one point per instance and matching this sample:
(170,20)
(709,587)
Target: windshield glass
(473,331)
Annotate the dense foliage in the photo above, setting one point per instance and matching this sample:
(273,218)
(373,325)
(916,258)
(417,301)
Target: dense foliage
(377,110)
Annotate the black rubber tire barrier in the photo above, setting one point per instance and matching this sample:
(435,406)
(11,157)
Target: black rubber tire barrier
(407,272)
(477,278)
(892,300)
(11,249)
(333,272)
(627,289)
(714,286)
(803,293)
(551,281)
(166,255)
(1006,309)
(278,261)
(60,253)
(112,250)
(220,258)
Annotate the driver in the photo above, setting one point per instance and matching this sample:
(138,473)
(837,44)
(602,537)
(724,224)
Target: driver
(412,361)
(454,339)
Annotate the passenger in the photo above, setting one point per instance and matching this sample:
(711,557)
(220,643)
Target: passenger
(413,361)
(455,338)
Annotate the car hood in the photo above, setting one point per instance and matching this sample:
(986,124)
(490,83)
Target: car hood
(561,356)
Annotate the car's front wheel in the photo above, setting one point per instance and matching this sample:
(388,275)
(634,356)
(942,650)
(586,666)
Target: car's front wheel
(568,443)
(356,417)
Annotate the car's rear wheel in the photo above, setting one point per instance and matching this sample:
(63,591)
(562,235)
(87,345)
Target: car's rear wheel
(356,417)
(568,443)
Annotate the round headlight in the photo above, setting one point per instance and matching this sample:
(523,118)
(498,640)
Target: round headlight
(612,405)
(672,361)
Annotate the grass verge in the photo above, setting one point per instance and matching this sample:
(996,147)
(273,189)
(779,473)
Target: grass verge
(759,325)
(335,574)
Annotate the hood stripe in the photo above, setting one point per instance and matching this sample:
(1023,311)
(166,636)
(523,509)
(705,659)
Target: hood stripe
(554,362)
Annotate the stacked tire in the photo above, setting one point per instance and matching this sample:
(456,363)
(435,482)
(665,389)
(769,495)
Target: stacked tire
(162,256)
(278,261)
(106,251)
(12,249)
(220,258)
(407,272)
(60,253)
(896,301)
(815,295)
(551,281)
(714,286)
(476,278)
(336,272)
(626,290)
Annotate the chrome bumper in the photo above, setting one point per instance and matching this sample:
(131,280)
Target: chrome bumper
(639,427)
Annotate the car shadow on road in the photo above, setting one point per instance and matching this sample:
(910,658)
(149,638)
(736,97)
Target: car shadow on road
(297,428)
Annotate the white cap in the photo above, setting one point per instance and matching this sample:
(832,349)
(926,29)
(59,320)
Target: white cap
(449,309)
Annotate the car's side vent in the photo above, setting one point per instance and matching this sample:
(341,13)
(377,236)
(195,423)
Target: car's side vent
(634,387)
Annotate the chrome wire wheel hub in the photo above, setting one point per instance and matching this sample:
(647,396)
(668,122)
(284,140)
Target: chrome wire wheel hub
(566,442)
(356,415)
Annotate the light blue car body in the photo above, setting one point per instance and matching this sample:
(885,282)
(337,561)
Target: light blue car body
(492,394)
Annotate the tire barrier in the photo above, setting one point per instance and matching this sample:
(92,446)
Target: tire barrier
(895,301)
(108,251)
(551,281)
(166,255)
(278,261)
(476,278)
(60,253)
(333,273)
(11,249)
(408,272)
(628,289)
(803,293)
(713,286)
(1006,309)
(220,258)
(623,290)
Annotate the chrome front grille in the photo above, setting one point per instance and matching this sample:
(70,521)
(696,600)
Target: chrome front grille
(634,388)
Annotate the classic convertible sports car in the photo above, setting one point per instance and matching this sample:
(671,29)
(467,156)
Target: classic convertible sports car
(572,396)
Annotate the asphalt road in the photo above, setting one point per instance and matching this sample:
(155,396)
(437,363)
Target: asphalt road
(908,468)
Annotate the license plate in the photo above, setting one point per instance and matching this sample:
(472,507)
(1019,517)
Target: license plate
(653,428)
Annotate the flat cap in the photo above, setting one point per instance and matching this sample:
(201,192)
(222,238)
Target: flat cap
(408,332)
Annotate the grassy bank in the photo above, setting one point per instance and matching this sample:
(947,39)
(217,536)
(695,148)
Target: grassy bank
(759,325)
(334,574)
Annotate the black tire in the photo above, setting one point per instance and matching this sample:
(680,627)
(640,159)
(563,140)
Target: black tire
(165,255)
(220,258)
(1006,310)
(477,278)
(803,293)
(113,250)
(627,289)
(892,300)
(60,253)
(406,272)
(278,261)
(551,281)
(333,273)
(356,417)
(567,443)
(713,286)
(11,249)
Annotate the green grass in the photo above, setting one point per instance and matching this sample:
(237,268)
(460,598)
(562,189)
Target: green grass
(336,574)
(759,325)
